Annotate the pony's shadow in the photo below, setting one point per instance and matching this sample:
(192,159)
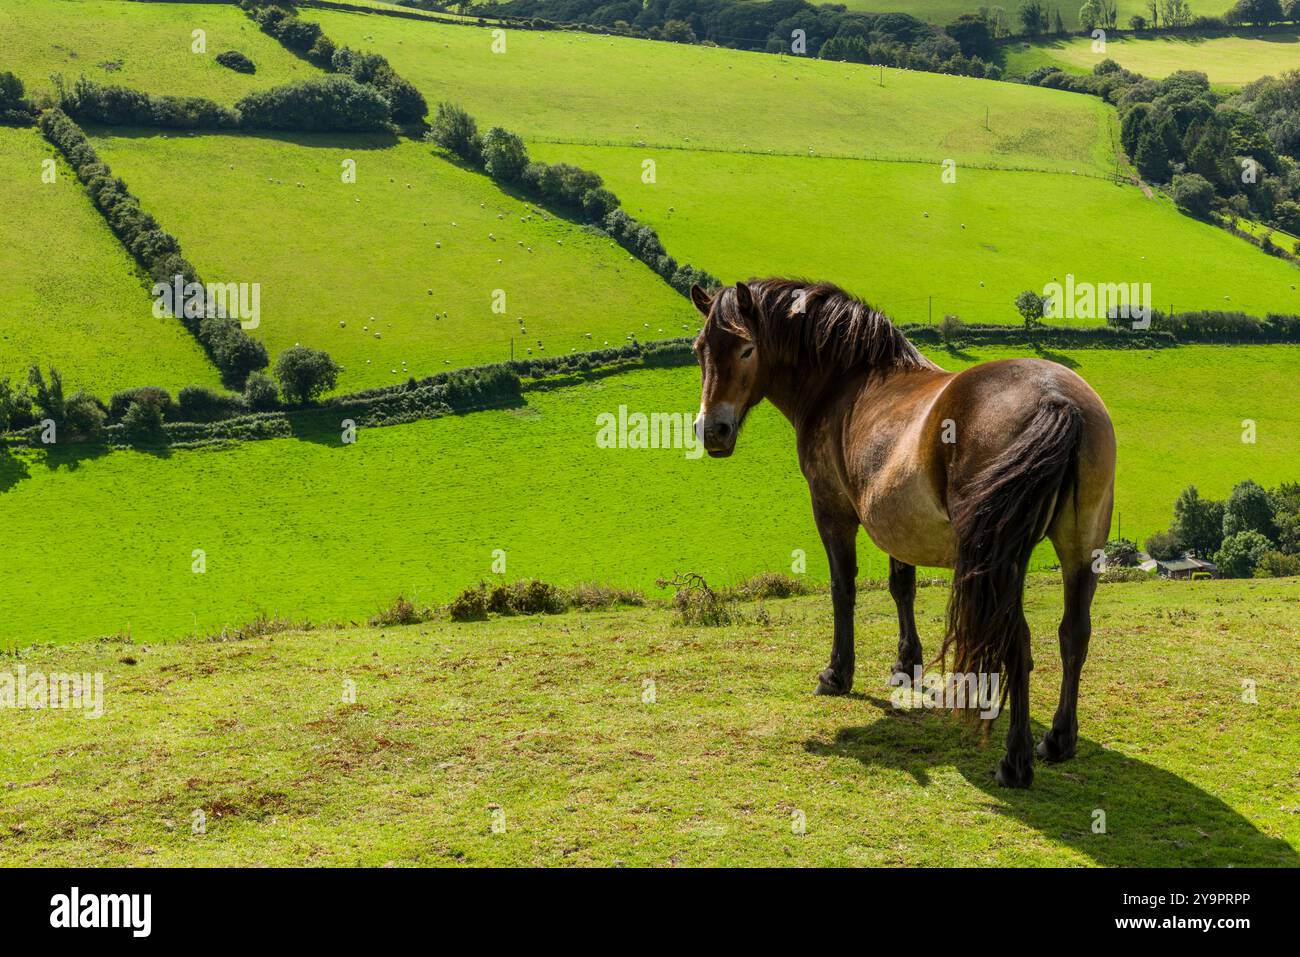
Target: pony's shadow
(1152,817)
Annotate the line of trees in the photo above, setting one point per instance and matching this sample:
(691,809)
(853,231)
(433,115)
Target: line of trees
(575,191)
(158,252)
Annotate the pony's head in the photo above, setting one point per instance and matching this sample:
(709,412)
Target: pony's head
(730,363)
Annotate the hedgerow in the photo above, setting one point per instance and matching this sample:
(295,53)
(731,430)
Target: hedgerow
(569,189)
(157,251)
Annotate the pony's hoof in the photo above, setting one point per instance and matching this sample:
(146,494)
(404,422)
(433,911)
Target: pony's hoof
(1052,751)
(1011,775)
(905,668)
(829,683)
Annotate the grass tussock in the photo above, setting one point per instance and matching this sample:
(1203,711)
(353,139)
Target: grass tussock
(260,627)
(534,597)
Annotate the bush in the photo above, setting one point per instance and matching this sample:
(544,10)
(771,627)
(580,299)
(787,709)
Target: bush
(529,597)
(332,103)
(1164,546)
(234,60)
(1121,552)
(120,402)
(194,403)
(1276,564)
(470,605)
(1193,193)
(455,131)
(260,392)
(142,424)
(305,373)
(698,604)
(1241,554)
(504,155)
(400,612)
(120,106)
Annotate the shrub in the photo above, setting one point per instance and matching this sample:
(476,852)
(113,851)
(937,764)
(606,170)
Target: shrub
(336,103)
(592,595)
(1276,564)
(142,424)
(1241,554)
(470,605)
(195,403)
(400,612)
(305,373)
(698,604)
(1121,552)
(234,60)
(1164,546)
(120,402)
(504,155)
(1192,192)
(15,405)
(455,131)
(120,106)
(529,597)
(1031,306)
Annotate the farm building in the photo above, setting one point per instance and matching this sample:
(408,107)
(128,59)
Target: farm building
(1184,568)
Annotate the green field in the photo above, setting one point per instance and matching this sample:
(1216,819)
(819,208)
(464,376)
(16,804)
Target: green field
(147,46)
(943,12)
(311,527)
(574,87)
(69,294)
(542,722)
(340,262)
(1226,60)
(864,224)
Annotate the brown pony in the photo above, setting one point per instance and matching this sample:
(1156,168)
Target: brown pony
(965,471)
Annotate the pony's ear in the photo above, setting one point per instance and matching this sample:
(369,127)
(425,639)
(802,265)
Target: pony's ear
(744,299)
(701,299)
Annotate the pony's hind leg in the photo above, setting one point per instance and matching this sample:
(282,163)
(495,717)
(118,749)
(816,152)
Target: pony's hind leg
(1062,738)
(902,587)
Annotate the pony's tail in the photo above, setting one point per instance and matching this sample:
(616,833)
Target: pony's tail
(1002,515)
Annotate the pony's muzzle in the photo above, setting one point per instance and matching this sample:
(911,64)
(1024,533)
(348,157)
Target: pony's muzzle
(718,434)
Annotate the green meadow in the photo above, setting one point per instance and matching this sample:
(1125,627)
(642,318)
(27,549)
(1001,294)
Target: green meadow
(399,273)
(943,12)
(70,296)
(147,46)
(536,741)
(312,528)
(1226,60)
(576,87)
(897,234)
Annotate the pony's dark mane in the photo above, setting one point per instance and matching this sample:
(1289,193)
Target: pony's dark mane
(832,329)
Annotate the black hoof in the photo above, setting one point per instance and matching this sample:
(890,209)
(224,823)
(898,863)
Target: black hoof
(829,683)
(907,668)
(1052,750)
(1012,774)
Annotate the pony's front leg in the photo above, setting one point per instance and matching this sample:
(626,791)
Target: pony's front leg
(839,536)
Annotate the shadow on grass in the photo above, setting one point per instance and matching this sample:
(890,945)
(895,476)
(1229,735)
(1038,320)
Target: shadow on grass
(1153,817)
(324,140)
(1060,358)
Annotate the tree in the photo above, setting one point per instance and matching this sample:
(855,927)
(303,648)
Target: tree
(1089,15)
(333,103)
(1033,18)
(260,392)
(1137,22)
(678,31)
(455,130)
(1164,546)
(1241,554)
(971,32)
(1198,522)
(1193,193)
(1256,12)
(1030,305)
(305,373)
(48,398)
(1249,509)
(1152,159)
(143,423)
(504,155)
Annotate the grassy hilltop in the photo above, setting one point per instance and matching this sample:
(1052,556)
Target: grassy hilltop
(544,723)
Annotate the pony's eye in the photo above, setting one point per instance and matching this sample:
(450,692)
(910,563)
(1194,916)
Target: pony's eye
(749,351)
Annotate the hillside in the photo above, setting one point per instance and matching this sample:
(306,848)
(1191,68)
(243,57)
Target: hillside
(544,721)
(1227,60)
(898,234)
(576,87)
(397,273)
(312,527)
(70,296)
(147,46)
